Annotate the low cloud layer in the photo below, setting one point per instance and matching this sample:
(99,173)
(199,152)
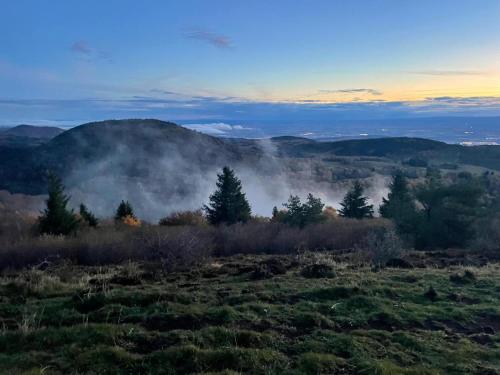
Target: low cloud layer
(351,91)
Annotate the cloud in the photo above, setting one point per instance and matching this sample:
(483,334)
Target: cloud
(449,72)
(216,40)
(81,47)
(351,91)
(216,128)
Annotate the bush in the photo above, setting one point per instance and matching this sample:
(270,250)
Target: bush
(184,246)
(194,218)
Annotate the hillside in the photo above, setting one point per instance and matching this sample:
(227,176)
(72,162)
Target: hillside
(151,161)
(30,131)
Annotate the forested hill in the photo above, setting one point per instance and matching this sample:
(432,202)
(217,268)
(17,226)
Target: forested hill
(139,148)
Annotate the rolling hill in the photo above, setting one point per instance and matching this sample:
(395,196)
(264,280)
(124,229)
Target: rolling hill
(30,131)
(152,158)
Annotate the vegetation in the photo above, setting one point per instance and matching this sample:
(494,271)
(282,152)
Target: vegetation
(228,204)
(87,216)
(184,218)
(57,219)
(123,211)
(222,318)
(354,204)
(300,214)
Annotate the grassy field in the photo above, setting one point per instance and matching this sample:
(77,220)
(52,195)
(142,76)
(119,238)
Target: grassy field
(250,314)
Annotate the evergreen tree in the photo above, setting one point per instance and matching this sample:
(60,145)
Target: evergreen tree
(57,218)
(448,212)
(228,204)
(399,206)
(88,216)
(124,209)
(354,204)
(301,214)
(399,202)
(294,214)
(313,210)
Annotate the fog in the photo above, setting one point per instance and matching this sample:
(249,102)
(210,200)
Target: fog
(169,179)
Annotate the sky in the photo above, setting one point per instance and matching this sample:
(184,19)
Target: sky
(235,62)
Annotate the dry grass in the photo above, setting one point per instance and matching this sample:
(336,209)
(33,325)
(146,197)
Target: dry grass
(182,246)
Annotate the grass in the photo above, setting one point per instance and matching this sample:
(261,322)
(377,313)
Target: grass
(134,319)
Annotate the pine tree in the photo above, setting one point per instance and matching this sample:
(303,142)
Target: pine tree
(301,214)
(354,204)
(124,210)
(228,204)
(56,218)
(399,202)
(88,216)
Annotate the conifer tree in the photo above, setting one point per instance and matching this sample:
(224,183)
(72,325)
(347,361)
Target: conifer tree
(88,216)
(124,210)
(56,218)
(355,205)
(228,204)
(399,202)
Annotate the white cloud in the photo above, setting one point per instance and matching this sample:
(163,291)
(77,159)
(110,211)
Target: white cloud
(215,128)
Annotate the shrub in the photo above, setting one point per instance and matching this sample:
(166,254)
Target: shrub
(194,218)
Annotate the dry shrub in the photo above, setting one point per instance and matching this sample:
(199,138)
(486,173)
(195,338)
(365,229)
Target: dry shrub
(187,245)
(131,221)
(194,218)
(177,248)
(278,238)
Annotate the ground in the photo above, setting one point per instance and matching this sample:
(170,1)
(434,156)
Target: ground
(252,314)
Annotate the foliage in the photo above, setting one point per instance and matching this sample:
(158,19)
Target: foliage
(448,213)
(124,209)
(300,214)
(57,218)
(355,205)
(399,205)
(228,204)
(131,221)
(88,216)
(195,218)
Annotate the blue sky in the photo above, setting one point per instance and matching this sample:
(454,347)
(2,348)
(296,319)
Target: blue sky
(191,61)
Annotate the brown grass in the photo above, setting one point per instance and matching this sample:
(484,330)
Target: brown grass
(183,246)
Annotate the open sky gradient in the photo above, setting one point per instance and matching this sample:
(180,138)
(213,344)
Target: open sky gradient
(73,61)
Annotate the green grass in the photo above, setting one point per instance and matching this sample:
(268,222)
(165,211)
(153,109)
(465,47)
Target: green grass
(220,320)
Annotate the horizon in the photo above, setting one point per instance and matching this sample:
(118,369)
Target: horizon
(239,63)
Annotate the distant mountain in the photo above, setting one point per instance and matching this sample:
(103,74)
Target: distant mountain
(30,131)
(126,149)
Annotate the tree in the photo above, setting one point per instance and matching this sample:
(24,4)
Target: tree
(124,210)
(56,218)
(228,204)
(399,206)
(354,204)
(88,216)
(301,214)
(448,213)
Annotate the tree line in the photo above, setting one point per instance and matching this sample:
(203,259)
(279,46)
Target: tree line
(435,213)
